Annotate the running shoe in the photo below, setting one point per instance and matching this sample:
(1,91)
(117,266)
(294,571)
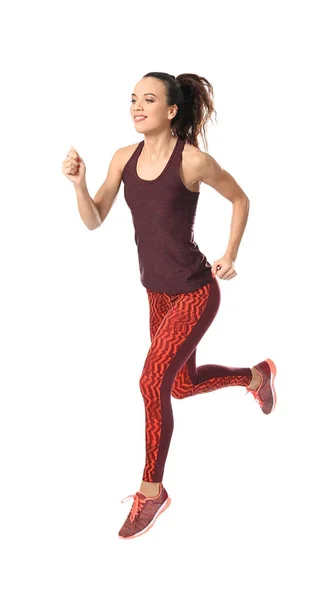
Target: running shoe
(265,394)
(143,513)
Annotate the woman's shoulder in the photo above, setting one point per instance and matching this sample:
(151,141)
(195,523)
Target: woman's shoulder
(125,152)
(192,161)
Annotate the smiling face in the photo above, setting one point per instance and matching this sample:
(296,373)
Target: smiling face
(149,99)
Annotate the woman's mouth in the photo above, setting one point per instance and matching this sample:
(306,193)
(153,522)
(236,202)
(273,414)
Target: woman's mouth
(141,118)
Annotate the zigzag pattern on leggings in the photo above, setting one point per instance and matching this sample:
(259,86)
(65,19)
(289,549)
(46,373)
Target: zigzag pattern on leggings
(172,320)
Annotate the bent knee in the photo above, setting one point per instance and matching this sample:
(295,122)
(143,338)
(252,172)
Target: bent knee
(178,394)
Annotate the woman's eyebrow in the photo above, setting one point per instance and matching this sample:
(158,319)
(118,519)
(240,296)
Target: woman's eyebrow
(148,94)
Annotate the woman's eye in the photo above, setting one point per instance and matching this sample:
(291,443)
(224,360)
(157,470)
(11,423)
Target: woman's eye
(147,100)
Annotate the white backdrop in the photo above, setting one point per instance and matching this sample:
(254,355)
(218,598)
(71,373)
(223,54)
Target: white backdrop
(250,511)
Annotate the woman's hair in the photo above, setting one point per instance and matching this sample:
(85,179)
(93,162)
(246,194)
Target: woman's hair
(194,96)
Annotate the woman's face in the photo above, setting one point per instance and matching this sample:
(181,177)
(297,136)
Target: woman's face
(149,100)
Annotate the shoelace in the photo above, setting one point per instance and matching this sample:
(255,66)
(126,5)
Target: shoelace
(136,506)
(256,396)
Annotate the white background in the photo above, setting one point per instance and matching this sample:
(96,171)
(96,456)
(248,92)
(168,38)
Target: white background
(249,516)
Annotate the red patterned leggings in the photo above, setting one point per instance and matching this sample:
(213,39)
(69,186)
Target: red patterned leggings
(177,324)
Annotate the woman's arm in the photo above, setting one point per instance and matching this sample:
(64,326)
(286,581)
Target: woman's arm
(208,171)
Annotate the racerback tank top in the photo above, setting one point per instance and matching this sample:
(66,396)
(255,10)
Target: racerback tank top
(163,213)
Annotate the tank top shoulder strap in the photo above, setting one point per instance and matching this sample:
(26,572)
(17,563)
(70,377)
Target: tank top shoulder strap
(131,162)
(177,153)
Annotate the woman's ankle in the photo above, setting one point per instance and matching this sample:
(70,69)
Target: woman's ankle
(150,489)
(256,379)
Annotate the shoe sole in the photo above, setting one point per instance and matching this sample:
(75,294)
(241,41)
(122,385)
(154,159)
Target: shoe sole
(273,375)
(162,508)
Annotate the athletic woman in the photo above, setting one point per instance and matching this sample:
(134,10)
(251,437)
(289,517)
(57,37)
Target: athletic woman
(162,176)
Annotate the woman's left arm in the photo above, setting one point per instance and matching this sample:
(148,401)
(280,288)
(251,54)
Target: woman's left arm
(211,173)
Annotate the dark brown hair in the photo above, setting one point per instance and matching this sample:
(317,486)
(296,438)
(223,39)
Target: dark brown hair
(194,96)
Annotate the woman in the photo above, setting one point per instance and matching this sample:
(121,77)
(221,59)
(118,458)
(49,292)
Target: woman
(161,177)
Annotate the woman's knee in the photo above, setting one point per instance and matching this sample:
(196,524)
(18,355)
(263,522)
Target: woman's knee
(179,394)
(147,383)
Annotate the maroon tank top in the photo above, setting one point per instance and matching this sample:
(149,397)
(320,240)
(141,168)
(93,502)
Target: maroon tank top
(163,213)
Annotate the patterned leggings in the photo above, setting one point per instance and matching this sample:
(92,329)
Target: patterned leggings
(177,324)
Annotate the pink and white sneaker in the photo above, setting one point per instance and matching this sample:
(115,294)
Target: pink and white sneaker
(265,394)
(143,513)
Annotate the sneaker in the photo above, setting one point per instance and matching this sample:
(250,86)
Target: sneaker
(143,513)
(265,394)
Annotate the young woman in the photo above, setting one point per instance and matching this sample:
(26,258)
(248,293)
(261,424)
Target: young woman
(162,176)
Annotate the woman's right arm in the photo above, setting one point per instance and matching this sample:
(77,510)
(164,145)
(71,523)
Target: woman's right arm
(87,207)
(106,195)
(94,212)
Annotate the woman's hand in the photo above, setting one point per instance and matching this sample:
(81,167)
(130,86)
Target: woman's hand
(224,268)
(74,167)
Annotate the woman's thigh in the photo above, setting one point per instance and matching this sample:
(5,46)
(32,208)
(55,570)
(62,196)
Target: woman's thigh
(159,305)
(177,324)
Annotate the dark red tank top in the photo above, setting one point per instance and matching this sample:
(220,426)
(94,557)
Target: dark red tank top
(163,213)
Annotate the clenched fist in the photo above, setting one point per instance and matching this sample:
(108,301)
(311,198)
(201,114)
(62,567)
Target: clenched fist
(74,167)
